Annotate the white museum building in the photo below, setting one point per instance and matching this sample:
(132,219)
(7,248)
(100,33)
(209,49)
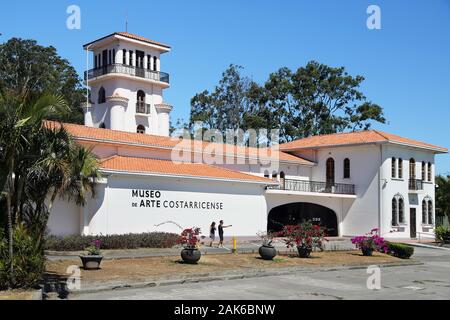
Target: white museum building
(348,182)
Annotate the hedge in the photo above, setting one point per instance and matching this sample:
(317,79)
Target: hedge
(400,250)
(442,234)
(126,241)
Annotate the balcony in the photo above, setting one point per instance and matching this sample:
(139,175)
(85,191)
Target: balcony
(127,70)
(315,186)
(142,108)
(415,185)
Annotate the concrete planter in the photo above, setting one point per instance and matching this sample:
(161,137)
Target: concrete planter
(267,252)
(191,255)
(91,262)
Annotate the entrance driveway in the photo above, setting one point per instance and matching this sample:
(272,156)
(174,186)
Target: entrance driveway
(428,281)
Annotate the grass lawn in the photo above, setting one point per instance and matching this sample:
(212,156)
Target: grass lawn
(169,267)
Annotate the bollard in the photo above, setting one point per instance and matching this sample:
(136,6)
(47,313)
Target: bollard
(234,250)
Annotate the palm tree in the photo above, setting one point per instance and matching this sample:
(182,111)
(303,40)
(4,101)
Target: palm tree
(20,120)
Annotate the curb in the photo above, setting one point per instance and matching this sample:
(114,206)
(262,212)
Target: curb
(209,277)
(429,246)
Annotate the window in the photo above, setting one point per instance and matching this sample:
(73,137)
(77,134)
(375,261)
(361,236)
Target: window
(141,96)
(394,212)
(114,56)
(266,174)
(140,129)
(346,168)
(101,95)
(412,169)
(430,173)
(393,170)
(102,125)
(124,56)
(155,60)
(282,180)
(149,62)
(274,176)
(109,56)
(401,210)
(424,212)
(400,168)
(427,211)
(95,62)
(330,172)
(131,58)
(398,210)
(430,212)
(423,170)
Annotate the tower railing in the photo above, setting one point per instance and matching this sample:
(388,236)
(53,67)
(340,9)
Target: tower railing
(117,68)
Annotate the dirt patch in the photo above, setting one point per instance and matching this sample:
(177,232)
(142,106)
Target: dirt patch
(16,295)
(166,267)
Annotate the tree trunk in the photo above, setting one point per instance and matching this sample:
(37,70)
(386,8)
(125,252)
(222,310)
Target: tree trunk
(10,241)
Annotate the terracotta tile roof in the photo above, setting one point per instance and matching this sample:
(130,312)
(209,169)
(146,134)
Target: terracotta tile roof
(130,36)
(355,138)
(81,132)
(165,167)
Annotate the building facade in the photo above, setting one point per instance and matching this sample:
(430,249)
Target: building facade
(349,182)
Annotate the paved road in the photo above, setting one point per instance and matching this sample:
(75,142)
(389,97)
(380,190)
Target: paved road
(428,281)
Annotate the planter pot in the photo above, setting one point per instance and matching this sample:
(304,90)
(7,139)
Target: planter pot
(267,252)
(367,252)
(191,256)
(91,262)
(304,252)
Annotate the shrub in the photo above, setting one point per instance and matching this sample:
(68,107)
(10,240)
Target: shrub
(126,241)
(442,234)
(28,260)
(305,235)
(400,250)
(370,241)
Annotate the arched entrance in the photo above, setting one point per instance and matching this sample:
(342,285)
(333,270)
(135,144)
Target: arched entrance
(295,213)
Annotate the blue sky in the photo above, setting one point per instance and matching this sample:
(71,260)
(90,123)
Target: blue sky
(406,64)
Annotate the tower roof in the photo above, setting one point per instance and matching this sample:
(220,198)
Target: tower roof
(127,36)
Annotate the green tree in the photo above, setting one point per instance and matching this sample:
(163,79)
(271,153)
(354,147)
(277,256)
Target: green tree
(443,196)
(315,99)
(28,70)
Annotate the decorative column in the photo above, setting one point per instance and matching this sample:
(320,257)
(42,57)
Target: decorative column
(163,110)
(117,105)
(87,109)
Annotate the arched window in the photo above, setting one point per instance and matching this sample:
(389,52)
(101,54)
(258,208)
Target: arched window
(140,129)
(149,62)
(102,125)
(398,210)
(346,168)
(400,168)
(430,212)
(393,169)
(155,65)
(430,172)
(124,56)
(101,95)
(141,96)
(394,212)
(423,170)
(330,172)
(266,174)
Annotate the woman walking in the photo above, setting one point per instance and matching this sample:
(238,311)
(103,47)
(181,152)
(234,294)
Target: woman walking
(212,233)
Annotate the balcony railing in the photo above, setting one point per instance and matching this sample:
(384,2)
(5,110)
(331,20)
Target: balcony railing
(415,184)
(128,70)
(142,108)
(315,186)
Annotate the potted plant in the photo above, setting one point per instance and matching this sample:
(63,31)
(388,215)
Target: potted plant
(305,236)
(92,260)
(189,239)
(267,251)
(370,242)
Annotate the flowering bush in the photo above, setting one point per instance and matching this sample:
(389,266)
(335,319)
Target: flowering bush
(305,235)
(190,237)
(371,241)
(94,248)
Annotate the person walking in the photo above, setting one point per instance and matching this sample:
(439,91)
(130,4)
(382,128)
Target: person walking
(212,233)
(220,228)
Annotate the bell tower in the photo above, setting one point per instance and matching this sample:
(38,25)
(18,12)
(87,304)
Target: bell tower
(127,85)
